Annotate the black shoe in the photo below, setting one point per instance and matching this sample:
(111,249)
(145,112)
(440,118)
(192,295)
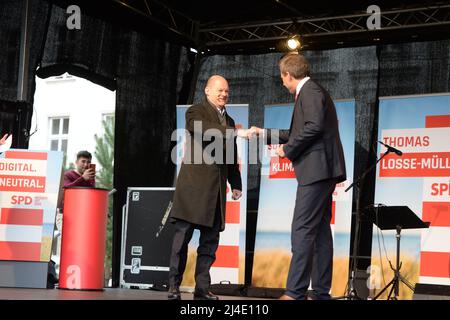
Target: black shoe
(312,295)
(52,278)
(174,294)
(201,295)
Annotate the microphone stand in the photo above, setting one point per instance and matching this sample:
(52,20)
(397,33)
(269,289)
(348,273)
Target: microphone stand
(352,294)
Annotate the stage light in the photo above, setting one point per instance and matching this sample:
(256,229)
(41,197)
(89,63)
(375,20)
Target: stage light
(293,43)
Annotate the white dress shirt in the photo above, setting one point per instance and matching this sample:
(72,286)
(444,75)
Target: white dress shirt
(300,85)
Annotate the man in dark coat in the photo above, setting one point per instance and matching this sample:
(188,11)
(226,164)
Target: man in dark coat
(200,195)
(314,146)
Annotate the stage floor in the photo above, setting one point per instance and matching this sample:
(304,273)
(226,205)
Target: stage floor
(107,294)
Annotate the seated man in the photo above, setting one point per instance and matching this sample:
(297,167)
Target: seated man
(83,175)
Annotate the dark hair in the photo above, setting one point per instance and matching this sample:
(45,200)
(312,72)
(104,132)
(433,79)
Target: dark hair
(84,154)
(295,64)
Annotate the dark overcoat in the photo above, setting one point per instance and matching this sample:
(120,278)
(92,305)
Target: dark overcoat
(210,160)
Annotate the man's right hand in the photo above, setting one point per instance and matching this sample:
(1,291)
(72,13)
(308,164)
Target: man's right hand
(257,130)
(248,133)
(244,133)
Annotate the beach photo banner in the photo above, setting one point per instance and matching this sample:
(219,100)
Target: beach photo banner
(229,266)
(277,199)
(29,187)
(419,126)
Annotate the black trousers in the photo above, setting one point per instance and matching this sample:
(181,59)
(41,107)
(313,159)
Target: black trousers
(312,242)
(206,252)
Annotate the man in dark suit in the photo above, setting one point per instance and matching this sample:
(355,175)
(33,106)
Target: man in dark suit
(200,193)
(313,145)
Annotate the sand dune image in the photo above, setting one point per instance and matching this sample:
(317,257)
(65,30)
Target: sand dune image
(46,248)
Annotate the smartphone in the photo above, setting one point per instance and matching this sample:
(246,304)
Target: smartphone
(92,166)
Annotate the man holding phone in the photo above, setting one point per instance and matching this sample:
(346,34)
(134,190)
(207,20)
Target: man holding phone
(84,174)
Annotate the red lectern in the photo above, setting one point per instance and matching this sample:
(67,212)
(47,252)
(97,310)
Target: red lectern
(83,238)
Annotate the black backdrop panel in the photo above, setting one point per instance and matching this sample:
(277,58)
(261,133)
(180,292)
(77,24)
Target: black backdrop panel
(147,238)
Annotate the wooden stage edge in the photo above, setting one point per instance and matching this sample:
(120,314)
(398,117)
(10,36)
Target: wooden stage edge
(106,294)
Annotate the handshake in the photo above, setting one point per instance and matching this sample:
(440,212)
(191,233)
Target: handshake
(249,133)
(254,131)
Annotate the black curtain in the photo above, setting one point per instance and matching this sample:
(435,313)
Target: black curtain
(15,119)
(147,74)
(91,52)
(145,118)
(415,68)
(16,115)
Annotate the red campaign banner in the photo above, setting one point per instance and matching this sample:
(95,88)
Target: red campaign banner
(333,212)
(233,210)
(26,155)
(227,257)
(421,164)
(437,213)
(281,168)
(437,121)
(22,183)
(22,216)
(435,264)
(24,251)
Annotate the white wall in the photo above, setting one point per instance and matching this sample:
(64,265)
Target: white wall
(82,101)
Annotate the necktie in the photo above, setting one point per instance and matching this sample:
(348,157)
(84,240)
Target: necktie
(222,117)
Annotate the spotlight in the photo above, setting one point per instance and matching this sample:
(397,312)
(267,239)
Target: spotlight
(293,43)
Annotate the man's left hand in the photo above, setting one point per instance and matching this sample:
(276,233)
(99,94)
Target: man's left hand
(280,151)
(3,140)
(236,194)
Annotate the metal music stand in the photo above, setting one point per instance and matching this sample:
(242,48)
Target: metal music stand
(396,218)
(351,290)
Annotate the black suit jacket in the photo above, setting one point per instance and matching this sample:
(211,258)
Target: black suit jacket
(312,142)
